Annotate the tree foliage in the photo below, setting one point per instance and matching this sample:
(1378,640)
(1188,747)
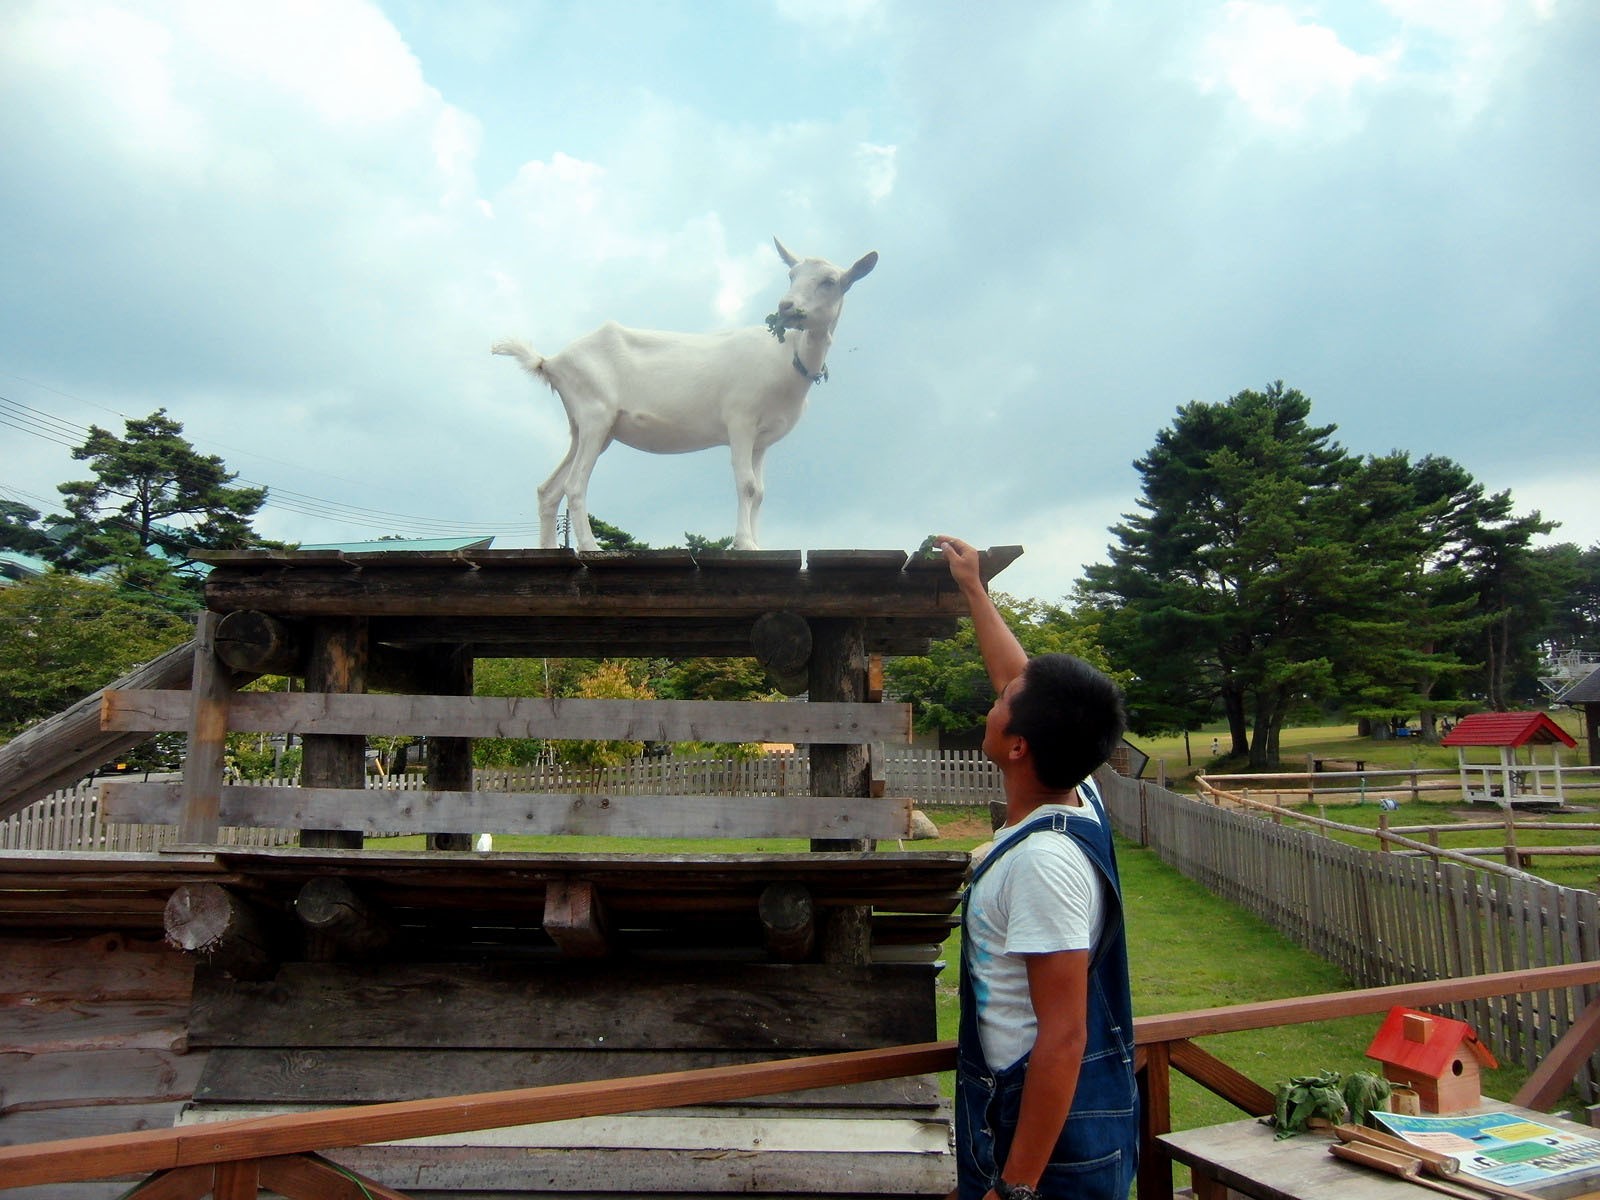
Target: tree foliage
(1268,569)
(153,496)
(62,637)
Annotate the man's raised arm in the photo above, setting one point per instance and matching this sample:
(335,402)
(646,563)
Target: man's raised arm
(1003,655)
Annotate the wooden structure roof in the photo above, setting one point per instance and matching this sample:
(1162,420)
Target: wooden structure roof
(558,603)
(1512,729)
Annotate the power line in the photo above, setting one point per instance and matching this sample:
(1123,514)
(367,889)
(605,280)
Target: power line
(48,427)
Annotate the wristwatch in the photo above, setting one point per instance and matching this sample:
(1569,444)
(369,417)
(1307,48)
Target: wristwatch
(1014,1191)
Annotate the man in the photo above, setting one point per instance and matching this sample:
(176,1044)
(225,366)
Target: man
(1046,1103)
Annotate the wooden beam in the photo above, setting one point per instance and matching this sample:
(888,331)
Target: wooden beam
(448,671)
(312,1177)
(321,713)
(381,810)
(1217,1076)
(575,918)
(839,675)
(207,726)
(182,1183)
(1555,1072)
(337,665)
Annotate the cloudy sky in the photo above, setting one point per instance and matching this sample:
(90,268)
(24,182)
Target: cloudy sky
(299,226)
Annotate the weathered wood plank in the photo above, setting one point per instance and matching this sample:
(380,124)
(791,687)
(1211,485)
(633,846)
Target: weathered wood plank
(322,713)
(92,969)
(334,1076)
(93,1158)
(52,1124)
(207,725)
(478,1168)
(776,1007)
(378,810)
(91,1077)
(111,1024)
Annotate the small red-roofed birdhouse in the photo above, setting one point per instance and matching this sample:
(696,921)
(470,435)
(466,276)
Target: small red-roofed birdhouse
(1437,1057)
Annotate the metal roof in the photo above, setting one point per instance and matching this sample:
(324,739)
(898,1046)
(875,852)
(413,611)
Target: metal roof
(1582,691)
(1507,729)
(391,545)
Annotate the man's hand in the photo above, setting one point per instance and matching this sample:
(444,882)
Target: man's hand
(964,562)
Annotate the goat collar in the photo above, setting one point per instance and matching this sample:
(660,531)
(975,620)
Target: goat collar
(822,372)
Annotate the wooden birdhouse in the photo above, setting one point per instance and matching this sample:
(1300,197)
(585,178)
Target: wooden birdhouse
(1439,1058)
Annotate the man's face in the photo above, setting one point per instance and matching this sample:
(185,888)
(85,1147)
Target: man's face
(996,742)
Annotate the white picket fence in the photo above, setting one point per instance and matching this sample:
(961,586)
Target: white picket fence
(70,819)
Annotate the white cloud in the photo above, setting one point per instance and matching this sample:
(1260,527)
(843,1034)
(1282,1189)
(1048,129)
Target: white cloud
(1285,71)
(878,165)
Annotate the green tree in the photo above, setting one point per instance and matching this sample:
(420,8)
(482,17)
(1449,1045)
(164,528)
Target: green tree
(611,680)
(62,637)
(152,492)
(21,530)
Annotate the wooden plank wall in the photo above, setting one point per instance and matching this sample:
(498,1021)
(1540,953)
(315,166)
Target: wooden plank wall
(1383,918)
(324,1034)
(92,1040)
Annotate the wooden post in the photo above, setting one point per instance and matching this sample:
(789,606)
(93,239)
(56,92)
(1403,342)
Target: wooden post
(1512,858)
(338,663)
(448,672)
(839,672)
(209,686)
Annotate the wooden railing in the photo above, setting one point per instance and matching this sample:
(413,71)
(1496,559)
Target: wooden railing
(230,1159)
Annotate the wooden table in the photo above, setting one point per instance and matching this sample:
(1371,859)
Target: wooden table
(1243,1159)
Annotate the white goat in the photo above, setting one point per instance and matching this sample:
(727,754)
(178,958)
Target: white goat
(669,393)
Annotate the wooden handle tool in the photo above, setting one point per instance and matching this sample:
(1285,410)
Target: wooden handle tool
(1434,1162)
(1402,1166)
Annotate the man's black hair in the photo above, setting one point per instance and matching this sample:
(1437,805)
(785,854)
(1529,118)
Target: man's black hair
(1071,715)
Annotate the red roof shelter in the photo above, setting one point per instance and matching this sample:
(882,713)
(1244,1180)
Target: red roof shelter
(1509,781)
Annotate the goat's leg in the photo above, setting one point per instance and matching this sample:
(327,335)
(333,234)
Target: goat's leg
(550,493)
(747,485)
(587,448)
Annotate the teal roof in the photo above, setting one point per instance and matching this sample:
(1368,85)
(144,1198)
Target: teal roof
(455,543)
(14,566)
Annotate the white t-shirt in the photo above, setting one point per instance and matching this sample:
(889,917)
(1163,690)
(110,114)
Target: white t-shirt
(1042,897)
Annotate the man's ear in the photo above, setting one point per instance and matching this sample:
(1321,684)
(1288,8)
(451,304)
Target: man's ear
(1018,749)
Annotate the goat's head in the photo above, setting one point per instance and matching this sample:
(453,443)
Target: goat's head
(816,289)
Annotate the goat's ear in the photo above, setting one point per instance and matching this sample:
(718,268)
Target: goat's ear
(789,260)
(863,266)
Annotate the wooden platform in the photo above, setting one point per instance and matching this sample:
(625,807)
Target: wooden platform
(556,603)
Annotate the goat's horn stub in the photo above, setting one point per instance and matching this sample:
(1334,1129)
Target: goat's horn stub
(789,260)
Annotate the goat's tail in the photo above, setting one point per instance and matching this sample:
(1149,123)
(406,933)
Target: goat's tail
(531,362)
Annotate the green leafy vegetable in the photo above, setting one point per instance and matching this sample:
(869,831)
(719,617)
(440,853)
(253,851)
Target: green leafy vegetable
(1306,1098)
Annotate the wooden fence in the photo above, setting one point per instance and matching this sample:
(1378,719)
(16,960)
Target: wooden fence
(70,819)
(1382,918)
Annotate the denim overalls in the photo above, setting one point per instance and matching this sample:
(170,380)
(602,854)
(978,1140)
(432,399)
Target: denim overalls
(1098,1150)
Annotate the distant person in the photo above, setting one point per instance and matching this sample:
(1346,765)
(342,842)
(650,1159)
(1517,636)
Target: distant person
(1216,747)
(1046,1103)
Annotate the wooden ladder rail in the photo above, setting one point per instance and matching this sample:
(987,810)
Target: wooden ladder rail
(223,1159)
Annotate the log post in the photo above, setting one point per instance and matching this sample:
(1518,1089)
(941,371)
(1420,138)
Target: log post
(337,917)
(575,918)
(337,663)
(230,934)
(839,673)
(788,921)
(260,643)
(209,687)
(448,672)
